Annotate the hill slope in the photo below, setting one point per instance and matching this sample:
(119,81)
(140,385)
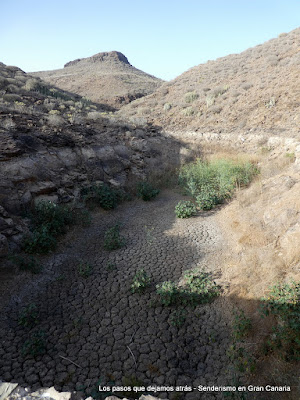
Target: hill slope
(105,78)
(258,89)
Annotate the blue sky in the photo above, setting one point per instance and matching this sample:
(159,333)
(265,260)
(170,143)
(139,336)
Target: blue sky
(163,38)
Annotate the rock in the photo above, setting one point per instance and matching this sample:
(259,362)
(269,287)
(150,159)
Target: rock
(3,245)
(6,389)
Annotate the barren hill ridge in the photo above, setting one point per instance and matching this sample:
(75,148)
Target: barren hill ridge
(106,77)
(258,89)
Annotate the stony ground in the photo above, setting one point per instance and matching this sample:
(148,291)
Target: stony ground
(97,331)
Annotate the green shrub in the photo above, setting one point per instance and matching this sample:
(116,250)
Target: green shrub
(146,191)
(178,318)
(283,303)
(40,241)
(52,216)
(211,183)
(101,195)
(85,269)
(140,281)
(26,263)
(167,292)
(48,221)
(36,345)
(112,238)
(199,288)
(241,325)
(185,209)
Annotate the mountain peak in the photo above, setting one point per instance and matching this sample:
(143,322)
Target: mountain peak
(104,57)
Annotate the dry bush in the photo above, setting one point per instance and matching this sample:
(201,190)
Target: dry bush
(55,120)
(190,97)
(94,116)
(188,112)
(3,82)
(31,84)
(7,123)
(11,98)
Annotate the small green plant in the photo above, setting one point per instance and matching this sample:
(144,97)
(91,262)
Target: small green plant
(241,359)
(199,288)
(140,281)
(36,345)
(26,263)
(149,234)
(271,103)
(48,221)
(111,266)
(178,318)
(146,191)
(29,316)
(101,195)
(113,239)
(291,156)
(185,209)
(41,241)
(241,325)
(85,269)
(283,303)
(168,293)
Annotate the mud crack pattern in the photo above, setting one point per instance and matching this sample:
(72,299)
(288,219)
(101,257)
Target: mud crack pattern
(106,331)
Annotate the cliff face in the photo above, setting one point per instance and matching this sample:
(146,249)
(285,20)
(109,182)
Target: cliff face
(106,77)
(51,147)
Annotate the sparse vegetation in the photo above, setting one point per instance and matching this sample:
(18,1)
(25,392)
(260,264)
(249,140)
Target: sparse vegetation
(113,239)
(282,302)
(241,325)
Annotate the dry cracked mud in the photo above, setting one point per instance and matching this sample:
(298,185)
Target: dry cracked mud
(97,330)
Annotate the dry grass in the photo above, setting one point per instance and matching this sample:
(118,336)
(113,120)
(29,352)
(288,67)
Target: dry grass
(256,89)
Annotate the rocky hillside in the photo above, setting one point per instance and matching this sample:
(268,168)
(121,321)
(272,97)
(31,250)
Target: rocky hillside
(53,143)
(257,90)
(104,78)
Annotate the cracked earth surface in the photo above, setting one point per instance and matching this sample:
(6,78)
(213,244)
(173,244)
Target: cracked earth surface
(110,333)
